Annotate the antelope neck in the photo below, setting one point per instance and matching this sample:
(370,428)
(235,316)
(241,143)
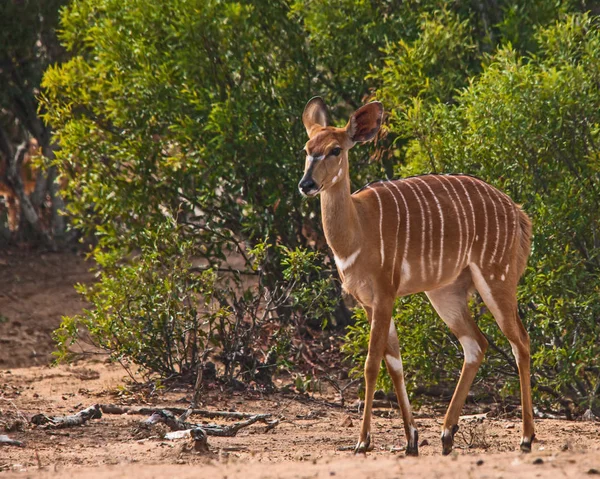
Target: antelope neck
(340,218)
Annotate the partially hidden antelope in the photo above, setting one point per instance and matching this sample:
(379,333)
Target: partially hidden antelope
(444,235)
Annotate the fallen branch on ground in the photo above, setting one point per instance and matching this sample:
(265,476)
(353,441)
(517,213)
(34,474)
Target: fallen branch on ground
(148,411)
(59,422)
(168,418)
(7,441)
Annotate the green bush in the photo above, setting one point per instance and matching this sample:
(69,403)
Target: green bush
(179,127)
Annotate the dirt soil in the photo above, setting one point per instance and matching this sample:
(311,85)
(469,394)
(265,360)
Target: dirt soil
(310,441)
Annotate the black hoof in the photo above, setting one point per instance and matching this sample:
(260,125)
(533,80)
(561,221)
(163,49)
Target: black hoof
(526,445)
(412,448)
(363,446)
(448,441)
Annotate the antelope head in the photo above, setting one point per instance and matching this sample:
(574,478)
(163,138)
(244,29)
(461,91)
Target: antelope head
(328,146)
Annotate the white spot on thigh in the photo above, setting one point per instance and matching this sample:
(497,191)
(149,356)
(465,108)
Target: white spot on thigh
(344,263)
(507,267)
(477,238)
(502,277)
(395,364)
(492,277)
(405,270)
(471,348)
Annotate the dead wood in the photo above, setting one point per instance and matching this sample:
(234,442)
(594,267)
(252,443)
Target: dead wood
(59,422)
(148,411)
(175,424)
(7,441)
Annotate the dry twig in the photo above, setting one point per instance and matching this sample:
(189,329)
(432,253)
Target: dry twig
(59,422)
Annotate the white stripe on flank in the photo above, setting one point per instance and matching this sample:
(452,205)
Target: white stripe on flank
(505,240)
(461,182)
(497,241)
(380,223)
(407,236)
(515,213)
(485,231)
(344,263)
(458,217)
(439,207)
(461,217)
(397,231)
(422,211)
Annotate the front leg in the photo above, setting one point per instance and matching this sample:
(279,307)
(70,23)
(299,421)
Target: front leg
(380,316)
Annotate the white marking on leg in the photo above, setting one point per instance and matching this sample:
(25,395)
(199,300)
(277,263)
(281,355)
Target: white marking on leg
(492,277)
(507,268)
(344,263)
(382,250)
(471,349)
(397,231)
(395,364)
(503,277)
(458,217)
(439,207)
(515,351)
(422,214)
(392,331)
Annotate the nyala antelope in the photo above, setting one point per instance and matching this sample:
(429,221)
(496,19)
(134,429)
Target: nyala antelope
(445,235)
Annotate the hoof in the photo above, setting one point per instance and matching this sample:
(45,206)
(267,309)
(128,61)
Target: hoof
(363,446)
(412,448)
(448,440)
(526,444)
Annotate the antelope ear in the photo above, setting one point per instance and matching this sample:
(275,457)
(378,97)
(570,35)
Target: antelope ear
(365,122)
(315,114)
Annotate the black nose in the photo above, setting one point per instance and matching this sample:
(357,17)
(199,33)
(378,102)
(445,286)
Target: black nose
(307,185)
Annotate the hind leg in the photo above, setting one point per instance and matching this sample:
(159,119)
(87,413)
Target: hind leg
(451,303)
(501,300)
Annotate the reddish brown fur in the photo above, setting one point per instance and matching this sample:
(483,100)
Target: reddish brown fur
(443,235)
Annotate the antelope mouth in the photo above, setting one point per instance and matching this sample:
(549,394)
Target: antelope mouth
(310,193)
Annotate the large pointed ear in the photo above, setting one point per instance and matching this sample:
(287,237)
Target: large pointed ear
(315,114)
(365,122)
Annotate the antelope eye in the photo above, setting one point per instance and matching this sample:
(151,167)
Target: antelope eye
(335,151)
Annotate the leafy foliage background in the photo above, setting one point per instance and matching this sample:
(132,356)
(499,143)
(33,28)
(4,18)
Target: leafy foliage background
(187,113)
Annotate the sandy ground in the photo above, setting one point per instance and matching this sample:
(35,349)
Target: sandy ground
(35,290)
